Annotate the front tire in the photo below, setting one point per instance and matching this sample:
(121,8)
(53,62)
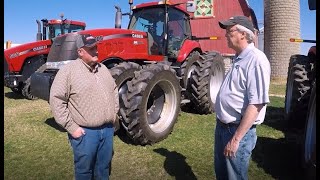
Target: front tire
(151,104)
(32,65)
(17,90)
(26,90)
(122,73)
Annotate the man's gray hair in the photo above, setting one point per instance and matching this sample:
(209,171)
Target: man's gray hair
(249,34)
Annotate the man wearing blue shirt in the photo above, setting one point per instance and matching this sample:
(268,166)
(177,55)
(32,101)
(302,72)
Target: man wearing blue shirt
(241,102)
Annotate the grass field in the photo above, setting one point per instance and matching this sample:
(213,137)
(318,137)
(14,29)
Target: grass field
(35,147)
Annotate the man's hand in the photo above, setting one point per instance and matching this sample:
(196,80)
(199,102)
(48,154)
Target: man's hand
(78,133)
(231,148)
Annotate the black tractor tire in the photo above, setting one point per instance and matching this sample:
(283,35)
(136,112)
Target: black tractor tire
(185,71)
(122,73)
(17,90)
(26,90)
(206,81)
(34,64)
(309,144)
(151,104)
(298,90)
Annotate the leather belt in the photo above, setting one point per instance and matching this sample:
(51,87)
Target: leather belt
(107,125)
(228,125)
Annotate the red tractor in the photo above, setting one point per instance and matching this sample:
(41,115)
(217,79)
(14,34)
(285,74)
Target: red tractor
(157,64)
(23,60)
(300,102)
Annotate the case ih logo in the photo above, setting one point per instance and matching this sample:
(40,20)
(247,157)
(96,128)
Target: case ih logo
(137,35)
(39,48)
(16,54)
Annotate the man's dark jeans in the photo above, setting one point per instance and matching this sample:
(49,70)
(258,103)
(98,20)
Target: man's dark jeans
(93,153)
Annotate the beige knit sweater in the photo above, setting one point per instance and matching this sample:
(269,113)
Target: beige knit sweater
(80,96)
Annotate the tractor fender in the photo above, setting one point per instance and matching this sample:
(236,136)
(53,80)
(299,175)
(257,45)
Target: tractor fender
(187,47)
(111,62)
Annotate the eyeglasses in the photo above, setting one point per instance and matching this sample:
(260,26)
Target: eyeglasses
(230,31)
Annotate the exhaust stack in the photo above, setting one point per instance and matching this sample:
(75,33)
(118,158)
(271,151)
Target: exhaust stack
(39,34)
(44,28)
(118,17)
(130,3)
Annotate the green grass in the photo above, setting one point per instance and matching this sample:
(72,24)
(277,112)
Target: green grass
(36,148)
(277,88)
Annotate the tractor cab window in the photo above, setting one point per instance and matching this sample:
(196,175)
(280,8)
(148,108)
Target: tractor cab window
(150,21)
(178,31)
(55,30)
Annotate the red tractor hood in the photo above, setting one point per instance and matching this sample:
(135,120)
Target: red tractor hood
(107,31)
(122,44)
(15,56)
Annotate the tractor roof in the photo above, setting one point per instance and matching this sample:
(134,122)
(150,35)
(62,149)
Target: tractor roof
(58,21)
(159,4)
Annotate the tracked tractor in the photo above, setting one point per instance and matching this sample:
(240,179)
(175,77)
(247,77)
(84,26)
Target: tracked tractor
(157,64)
(300,101)
(23,60)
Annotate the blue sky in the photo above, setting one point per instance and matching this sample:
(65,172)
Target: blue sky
(20,16)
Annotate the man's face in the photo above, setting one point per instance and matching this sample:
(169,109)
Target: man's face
(89,55)
(233,36)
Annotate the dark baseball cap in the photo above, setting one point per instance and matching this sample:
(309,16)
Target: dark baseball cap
(241,20)
(85,40)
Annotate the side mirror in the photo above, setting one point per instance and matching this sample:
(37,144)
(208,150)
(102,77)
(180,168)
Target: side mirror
(191,6)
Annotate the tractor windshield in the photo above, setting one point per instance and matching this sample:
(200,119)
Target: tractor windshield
(55,29)
(150,20)
(178,31)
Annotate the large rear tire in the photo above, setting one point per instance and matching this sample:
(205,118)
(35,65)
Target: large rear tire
(122,73)
(185,71)
(309,145)
(206,81)
(151,104)
(298,91)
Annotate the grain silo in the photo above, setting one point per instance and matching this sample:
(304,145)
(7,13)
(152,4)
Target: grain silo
(281,22)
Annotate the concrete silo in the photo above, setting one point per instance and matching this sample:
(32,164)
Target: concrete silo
(281,22)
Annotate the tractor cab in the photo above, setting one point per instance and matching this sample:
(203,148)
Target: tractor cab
(165,35)
(56,27)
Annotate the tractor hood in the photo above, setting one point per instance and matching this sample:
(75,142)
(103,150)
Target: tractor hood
(16,55)
(113,44)
(25,48)
(112,33)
